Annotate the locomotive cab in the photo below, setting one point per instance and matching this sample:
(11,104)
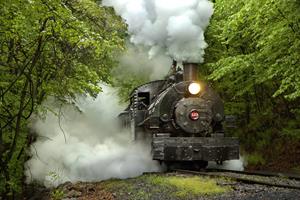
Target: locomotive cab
(182,117)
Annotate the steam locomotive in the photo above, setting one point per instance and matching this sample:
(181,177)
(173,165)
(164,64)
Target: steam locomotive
(182,118)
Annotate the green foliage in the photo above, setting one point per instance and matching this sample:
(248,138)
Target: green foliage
(126,86)
(48,48)
(253,58)
(291,130)
(255,159)
(154,186)
(258,42)
(189,186)
(258,38)
(57,194)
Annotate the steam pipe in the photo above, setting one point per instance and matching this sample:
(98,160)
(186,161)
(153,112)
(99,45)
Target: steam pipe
(190,71)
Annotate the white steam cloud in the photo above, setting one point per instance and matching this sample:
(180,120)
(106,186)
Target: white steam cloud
(237,165)
(175,27)
(95,149)
(135,62)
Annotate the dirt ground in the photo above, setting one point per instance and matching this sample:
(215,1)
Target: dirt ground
(140,188)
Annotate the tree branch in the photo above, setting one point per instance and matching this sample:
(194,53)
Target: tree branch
(33,61)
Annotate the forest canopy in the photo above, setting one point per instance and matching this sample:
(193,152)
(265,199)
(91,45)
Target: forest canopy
(48,48)
(253,58)
(261,38)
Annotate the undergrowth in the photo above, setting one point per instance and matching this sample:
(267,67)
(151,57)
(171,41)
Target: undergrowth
(175,187)
(189,186)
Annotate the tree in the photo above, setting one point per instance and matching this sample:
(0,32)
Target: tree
(48,48)
(254,57)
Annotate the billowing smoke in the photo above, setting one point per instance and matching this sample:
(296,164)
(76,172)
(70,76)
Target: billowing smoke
(175,27)
(85,145)
(136,63)
(230,164)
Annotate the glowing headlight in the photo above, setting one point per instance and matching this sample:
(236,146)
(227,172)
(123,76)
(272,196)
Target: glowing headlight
(194,88)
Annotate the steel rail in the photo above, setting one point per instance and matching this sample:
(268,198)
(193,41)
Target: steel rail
(258,173)
(239,179)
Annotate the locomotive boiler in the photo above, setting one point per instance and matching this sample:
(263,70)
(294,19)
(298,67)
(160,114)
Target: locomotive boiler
(182,118)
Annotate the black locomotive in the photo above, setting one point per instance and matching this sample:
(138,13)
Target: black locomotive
(182,117)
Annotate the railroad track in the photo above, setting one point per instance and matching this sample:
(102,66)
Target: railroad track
(259,173)
(252,177)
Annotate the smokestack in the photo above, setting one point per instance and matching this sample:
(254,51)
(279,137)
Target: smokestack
(190,71)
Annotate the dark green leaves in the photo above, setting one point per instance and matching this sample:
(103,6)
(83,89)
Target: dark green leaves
(48,48)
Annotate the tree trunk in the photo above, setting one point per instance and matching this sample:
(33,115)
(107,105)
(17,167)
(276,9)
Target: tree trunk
(17,132)
(248,108)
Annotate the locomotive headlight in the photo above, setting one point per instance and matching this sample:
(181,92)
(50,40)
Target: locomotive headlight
(194,88)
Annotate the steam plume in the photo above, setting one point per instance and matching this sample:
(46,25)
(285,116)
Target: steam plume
(95,149)
(135,62)
(175,27)
(230,164)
